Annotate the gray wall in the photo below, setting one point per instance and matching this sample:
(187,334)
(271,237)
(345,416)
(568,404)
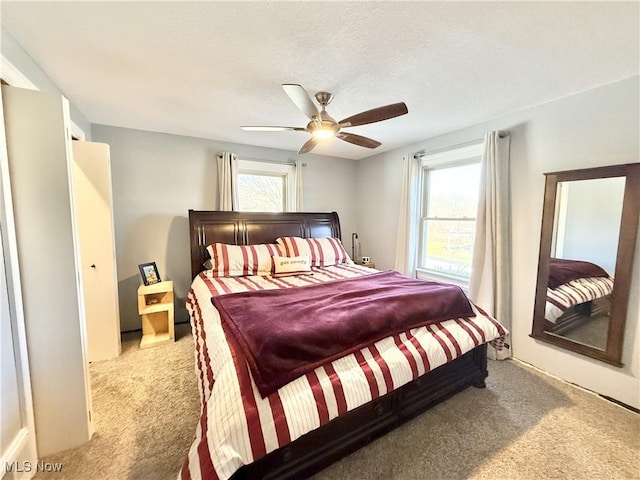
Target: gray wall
(595,128)
(158,177)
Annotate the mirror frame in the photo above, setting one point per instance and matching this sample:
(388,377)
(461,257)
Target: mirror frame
(624,260)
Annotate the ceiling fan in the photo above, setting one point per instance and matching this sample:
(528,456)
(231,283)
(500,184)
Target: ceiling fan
(323,126)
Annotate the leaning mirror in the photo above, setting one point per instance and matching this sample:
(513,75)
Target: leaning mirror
(587,242)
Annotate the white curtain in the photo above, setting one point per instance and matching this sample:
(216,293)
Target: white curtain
(490,283)
(227,181)
(299,197)
(408,221)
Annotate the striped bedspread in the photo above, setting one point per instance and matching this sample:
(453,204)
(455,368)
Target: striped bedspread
(574,292)
(238,426)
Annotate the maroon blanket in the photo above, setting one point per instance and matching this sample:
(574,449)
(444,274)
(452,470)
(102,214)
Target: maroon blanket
(562,271)
(286,333)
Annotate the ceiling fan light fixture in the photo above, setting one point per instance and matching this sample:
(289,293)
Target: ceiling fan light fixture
(323,128)
(323,133)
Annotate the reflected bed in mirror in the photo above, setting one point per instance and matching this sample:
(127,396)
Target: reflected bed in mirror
(578,301)
(589,230)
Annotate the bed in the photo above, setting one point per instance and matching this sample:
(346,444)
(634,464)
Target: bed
(332,409)
(576,292)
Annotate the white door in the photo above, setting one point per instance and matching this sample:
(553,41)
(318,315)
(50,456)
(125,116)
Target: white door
(92,186)
(39,160)
(18,454)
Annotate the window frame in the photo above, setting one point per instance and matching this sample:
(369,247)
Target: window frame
(449,158)
(287,171)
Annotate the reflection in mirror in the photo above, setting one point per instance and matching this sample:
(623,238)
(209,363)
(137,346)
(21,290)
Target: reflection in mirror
(589,229)
(583,259)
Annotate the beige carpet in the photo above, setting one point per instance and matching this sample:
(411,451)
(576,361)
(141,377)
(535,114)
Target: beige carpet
(145,409)
(524,425)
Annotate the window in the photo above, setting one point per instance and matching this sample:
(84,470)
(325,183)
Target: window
(450,187)
(266,187)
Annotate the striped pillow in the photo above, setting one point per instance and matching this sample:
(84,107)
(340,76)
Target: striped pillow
(323,251)
(242,260)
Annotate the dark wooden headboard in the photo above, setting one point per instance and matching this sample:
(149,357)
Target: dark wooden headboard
(248,228)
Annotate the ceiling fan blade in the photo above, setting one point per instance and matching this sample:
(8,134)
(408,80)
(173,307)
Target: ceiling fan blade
(301,98)
(358,140)
(308,145)
(267,128)
(375,115)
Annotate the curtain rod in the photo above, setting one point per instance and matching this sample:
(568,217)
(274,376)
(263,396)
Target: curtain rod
(263,160)
(422,153)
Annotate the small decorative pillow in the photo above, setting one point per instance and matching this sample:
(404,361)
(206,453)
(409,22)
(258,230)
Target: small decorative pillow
(287,266)
(242,260)
(322,251)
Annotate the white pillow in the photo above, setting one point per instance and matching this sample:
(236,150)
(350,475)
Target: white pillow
(287,266)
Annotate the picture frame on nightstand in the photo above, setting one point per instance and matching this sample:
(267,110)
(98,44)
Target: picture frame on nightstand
(149,273)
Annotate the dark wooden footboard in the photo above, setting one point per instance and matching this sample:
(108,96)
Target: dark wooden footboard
(318,449)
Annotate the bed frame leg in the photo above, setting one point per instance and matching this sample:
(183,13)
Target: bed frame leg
(480,384)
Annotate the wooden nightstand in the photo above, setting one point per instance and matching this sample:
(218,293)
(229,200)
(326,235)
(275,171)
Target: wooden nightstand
(369,264)
(155,306)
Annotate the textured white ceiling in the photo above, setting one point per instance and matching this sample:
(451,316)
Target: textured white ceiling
(204,68)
